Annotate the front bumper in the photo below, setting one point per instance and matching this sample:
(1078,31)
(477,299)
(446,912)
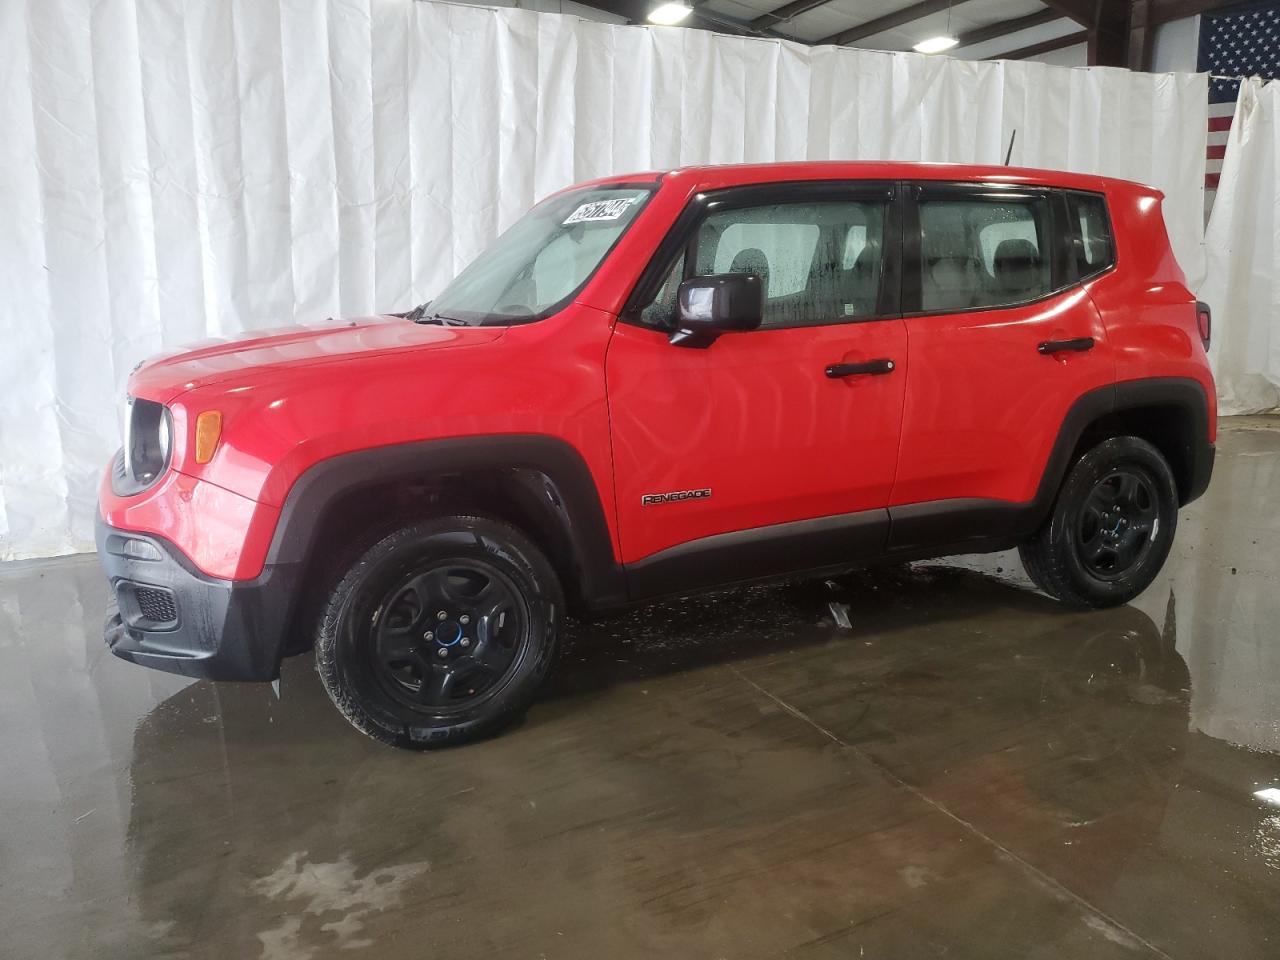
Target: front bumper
(172,617)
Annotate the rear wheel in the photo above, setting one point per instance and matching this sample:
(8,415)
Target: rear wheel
(441,633)
(1111,527)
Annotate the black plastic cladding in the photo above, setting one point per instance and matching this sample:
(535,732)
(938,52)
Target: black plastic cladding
(573,501)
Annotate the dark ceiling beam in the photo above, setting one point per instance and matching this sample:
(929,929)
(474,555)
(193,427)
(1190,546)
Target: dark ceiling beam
(887,22)
(1162,11)
(786,12)
(1044,46)
(1138,39)
(995,31)
(1083,12)
(1109,36)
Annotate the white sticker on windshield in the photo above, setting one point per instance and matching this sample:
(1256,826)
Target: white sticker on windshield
(599,210)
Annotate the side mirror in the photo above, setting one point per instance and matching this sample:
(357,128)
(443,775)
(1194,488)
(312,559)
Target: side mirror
(709,306)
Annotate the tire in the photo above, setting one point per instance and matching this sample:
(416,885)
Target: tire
(474,588)
(1111,527)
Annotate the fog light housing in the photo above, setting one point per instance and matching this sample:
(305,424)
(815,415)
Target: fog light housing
(132,547)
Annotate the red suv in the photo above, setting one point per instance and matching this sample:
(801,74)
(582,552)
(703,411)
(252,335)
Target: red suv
(657,384)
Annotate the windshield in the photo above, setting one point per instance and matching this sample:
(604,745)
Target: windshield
(542,260)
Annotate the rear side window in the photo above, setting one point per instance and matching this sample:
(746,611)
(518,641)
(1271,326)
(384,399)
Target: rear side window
(1094,247)
(983,251)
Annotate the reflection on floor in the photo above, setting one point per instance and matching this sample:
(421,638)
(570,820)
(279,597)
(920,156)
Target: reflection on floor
(969,771)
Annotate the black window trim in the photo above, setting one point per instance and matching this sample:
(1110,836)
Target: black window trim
(1076,238)
(683,234)
(1062,262)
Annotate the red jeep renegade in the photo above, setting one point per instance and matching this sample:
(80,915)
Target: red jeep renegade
(657,384)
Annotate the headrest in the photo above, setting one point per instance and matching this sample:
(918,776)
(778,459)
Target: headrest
(869,255)
(1015,255)
(752,260)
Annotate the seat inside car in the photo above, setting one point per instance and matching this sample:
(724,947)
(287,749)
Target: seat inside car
(752,260)
(951,281)
(1017,269)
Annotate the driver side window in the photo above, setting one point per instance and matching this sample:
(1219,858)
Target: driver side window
(819,262)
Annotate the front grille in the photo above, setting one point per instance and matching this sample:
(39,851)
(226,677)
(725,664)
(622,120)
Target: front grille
(155,604)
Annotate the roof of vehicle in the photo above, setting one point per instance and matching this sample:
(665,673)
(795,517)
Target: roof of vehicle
(743,174)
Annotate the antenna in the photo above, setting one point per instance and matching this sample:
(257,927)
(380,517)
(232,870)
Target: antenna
(1009,154)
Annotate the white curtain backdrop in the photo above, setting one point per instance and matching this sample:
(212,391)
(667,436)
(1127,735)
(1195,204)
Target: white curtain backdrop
(1242,285)
(172,170)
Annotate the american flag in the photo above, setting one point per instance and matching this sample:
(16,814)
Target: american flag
(1241,42)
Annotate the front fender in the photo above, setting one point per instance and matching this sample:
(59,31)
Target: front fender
(570,496)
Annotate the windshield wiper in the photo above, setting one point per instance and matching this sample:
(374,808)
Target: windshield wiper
(419,315)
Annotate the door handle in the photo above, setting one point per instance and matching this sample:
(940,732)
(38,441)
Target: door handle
(874,368)
(1076,345)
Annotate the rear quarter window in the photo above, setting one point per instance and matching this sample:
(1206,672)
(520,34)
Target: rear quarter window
(1093,243)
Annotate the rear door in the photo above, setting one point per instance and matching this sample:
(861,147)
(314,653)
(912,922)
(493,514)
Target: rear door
(758,454)
(1003,339)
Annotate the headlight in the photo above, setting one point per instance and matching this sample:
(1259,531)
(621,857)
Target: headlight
(148,443)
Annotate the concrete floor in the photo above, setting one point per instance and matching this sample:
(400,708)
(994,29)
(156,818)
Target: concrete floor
(971,771)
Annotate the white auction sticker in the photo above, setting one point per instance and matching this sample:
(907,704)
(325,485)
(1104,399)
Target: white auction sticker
(599,210)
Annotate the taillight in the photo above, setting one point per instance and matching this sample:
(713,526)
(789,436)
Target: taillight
(1204,322)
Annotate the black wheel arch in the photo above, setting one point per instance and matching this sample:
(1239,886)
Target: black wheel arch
(538,483)
(1172,413)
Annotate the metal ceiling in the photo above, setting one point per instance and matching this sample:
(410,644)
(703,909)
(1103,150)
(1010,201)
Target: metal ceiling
(1114,31)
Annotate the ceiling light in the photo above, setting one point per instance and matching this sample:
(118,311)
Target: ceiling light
(669,14)
(935,44)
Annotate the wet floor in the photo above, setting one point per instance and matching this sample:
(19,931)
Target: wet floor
(968,771)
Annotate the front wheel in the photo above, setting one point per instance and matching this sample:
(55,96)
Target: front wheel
(441,633)
(1111,527)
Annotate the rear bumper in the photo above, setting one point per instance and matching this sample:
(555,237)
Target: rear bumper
(172,617)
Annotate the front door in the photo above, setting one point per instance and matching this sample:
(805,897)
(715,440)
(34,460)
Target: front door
(774,449)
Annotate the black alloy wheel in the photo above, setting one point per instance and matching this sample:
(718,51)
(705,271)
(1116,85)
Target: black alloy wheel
(1111,526)
(449,635)
(1119,522)
(440,633)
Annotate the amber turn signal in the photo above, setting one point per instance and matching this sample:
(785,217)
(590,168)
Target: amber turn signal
(208,431)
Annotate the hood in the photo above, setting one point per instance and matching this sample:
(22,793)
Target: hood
(215,361)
